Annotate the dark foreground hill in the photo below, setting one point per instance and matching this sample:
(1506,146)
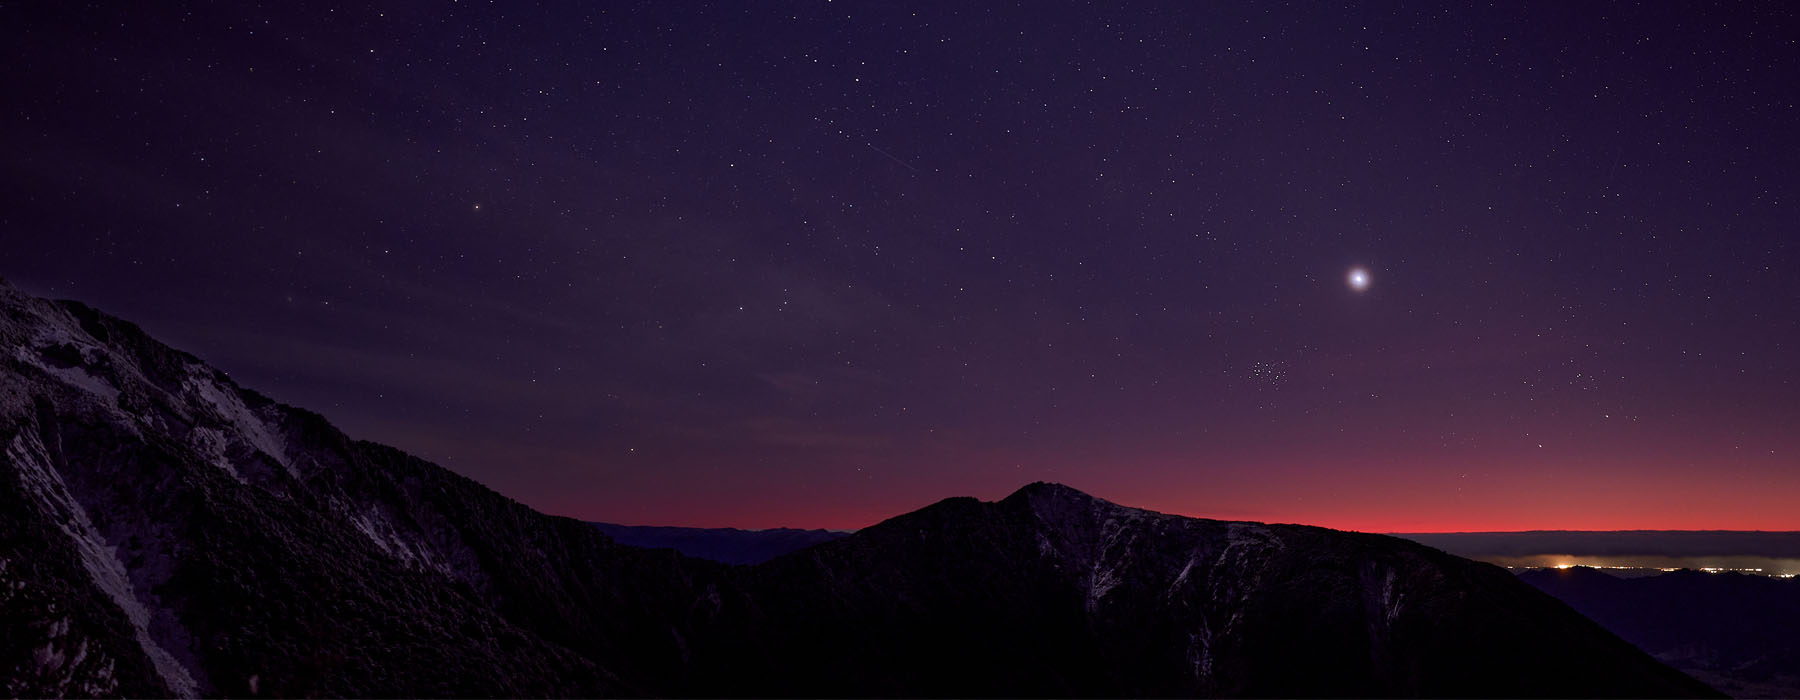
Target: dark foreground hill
(166,532)
(1740,632)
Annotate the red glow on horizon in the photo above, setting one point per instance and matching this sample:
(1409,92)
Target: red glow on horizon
(1343,485)
(1672,506)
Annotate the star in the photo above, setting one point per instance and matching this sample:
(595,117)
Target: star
(1358,279)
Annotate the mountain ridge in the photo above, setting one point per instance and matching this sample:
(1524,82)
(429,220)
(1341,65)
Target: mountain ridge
(168,532)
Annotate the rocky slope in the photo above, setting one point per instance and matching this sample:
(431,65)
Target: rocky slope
(164,531)
(167,532)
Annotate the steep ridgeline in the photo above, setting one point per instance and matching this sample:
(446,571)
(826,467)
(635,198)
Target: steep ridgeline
(166,532)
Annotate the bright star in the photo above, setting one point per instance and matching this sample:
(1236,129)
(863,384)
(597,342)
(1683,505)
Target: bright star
(1358,279)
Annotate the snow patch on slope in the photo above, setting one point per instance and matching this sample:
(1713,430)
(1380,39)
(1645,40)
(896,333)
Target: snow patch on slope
(100,560)
(73,376)
(1118,542)
(1182,577)
(212,444)
(1199,653)
(231,408)
(372,523)
(1246,555)
(1391,600)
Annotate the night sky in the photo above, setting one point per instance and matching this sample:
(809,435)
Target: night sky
(818,263)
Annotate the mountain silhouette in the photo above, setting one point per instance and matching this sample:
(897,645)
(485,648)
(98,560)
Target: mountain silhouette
(164,531)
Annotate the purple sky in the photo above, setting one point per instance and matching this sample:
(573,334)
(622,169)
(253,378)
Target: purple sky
(817,263)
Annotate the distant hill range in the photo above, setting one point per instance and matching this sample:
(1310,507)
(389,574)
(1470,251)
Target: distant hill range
(723,544)
(1669,543)
(166,532)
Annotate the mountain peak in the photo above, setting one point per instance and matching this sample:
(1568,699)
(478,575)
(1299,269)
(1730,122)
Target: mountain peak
(1052,499)
(1037,490)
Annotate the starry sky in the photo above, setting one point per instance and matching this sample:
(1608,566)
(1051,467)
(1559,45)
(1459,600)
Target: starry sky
(818,263)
